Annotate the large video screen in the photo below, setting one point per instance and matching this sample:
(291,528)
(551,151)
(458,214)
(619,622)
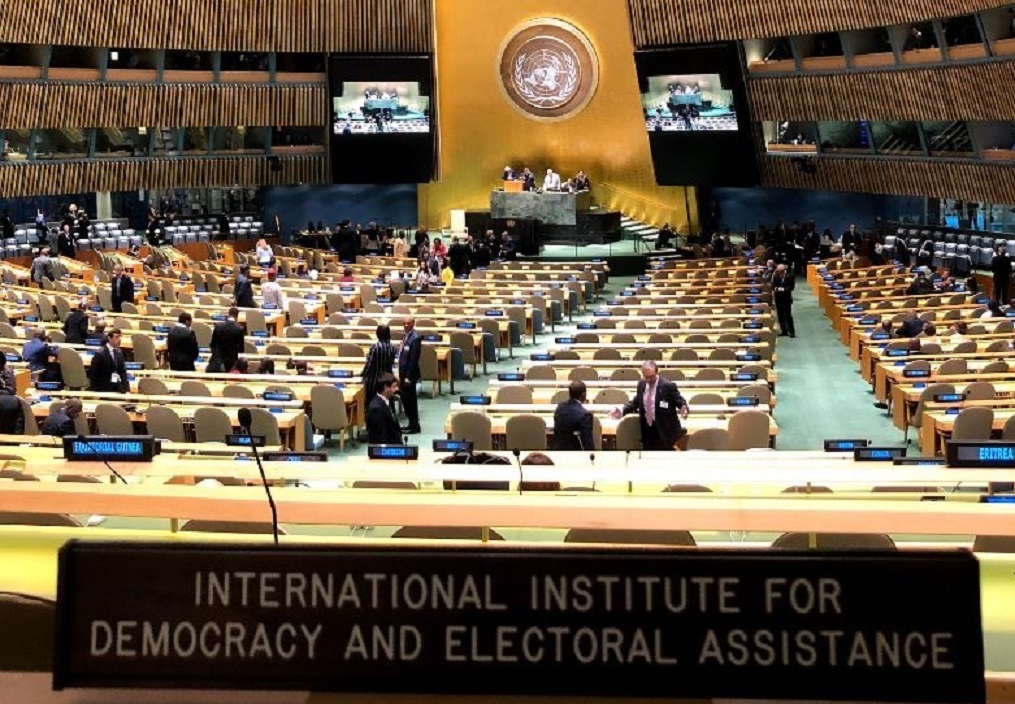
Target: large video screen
(372,107)
(688,104)
(383,118)
(694,102)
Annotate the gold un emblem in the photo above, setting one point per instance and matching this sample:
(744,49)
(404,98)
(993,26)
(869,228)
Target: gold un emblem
(548,69)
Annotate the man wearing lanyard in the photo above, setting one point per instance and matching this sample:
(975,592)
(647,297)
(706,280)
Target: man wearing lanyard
(660,408)
(408,373)
(108,369)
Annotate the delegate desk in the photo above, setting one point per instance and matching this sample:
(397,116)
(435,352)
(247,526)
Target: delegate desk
(906,396)
(888,373)
(549,208)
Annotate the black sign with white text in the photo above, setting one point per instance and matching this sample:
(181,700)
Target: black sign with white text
(900,626)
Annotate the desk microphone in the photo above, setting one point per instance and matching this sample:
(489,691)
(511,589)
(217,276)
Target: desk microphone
(627,462)
(244,416)
(88,443)
(518,453)
(592,459)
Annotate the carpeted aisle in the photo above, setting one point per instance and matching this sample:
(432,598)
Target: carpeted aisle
(820,394)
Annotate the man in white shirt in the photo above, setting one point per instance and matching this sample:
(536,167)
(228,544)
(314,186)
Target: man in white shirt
(271,292)
(552,181)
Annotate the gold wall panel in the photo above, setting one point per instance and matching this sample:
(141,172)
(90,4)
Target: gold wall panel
(54,105)
(223,25)
(938,93)
(661,22)
(30,179)
(481,132)
(967,181)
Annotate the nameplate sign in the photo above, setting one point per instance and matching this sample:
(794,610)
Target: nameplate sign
(863,626)
(123,448)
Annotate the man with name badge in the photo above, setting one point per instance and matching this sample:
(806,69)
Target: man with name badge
(660,408)
(109,370)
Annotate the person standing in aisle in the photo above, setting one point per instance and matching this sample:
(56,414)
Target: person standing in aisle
(409,373)
(1000,267)
(782,287)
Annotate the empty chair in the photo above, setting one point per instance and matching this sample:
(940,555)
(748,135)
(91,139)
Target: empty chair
(264,423)
(446,533)
(349,349)
(628,435)
(647,353)
(952,366)
(696,339)
(973,424)
(144,351)
(203,331)
(684,354)
(1009,429)
(611,396)
(72,368)
(628,374)
(623,339)
(834,541)
(996,367)
(706,399)
(278,349)
(328,411)
(927,396)
(586,338)
(964,348)
(567,354)
(716,439)
(525,432)
(710,374)
(211,425)
(994,543)
(515,393)
(152,386)
(463,341)
(759,391)
(113,420)
(980,391)
(610,353)
(164,423)
(807,489)
(296,331)
(541,372)
(619,536)
(254,321)
(26,518)
(237,390)
(474,427)
(998,346)
(244,527)
(748,429)
(191,387)
(583,374)
(723,354)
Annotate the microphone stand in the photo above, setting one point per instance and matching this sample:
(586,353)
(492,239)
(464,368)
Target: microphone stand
(521,478)
(264,483)
(88,443)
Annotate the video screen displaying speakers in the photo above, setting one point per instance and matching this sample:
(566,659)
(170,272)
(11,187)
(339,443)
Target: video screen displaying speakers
(383,119)
(688,103)
(694,102)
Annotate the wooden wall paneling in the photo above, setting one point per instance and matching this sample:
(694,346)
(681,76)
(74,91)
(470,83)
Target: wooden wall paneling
(909,177)
(945,92)
(53,105)
(662,22)
(27,179)
(224,25)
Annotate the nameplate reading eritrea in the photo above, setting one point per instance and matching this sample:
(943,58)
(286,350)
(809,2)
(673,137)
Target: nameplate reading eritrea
(636,623)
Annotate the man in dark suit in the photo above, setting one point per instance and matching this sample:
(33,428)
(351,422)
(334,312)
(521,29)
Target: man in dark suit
(75,327)
(1000,267)
(243,293)
(109,370)
(528,180)
(226,343)
(660,408)
(382,426)
(572,424)
(782,289)
(181,345)
(409,374)
(123,289)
